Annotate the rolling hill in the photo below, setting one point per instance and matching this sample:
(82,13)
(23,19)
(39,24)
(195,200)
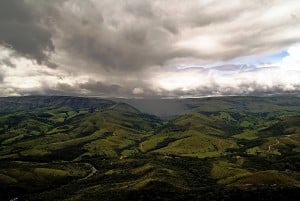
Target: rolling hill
(73,148)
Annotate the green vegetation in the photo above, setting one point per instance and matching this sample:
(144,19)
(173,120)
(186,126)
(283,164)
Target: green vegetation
(225,148)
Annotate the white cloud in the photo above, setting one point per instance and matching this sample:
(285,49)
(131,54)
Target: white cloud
(204,43)
(251,80)
(118,46)
(138,91)
(292,61)
(28,75)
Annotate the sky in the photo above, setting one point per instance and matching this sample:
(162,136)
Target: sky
(149,48)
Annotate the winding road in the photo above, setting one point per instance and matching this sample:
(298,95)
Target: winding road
(93,171)
(271,145)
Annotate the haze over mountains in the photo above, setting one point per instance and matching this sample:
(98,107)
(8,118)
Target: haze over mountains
(172,107)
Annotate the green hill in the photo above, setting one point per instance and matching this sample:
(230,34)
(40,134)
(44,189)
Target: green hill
(44,135)
(224,148)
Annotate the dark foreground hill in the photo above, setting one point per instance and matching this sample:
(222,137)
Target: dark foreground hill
(226,148)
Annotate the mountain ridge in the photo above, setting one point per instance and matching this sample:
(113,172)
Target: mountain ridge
(217,148)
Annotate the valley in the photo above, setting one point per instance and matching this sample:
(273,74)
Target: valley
(75,148)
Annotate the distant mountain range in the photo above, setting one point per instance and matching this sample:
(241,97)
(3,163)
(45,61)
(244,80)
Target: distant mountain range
(172,107)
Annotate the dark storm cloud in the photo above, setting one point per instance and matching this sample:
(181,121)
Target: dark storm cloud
(90,88)
(140,8)
(1,77)
(101,88)
(133,35)
(134,43)
(96,88)
(21,29)
(108,40)
(211,15)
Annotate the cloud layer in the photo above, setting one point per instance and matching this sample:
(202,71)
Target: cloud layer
(148,48)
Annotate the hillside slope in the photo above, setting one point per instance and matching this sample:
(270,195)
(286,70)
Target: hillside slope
(68,148)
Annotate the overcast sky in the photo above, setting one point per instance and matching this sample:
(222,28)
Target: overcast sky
(149,48)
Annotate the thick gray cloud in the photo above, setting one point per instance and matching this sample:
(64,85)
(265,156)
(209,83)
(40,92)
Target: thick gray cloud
(22,29)
(133,35)
(101,88)
(133,40)
(1,78)
(132,47)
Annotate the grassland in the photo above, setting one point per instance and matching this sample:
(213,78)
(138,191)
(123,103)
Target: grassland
(68,148)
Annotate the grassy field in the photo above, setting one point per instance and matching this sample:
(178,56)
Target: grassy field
(68,148)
